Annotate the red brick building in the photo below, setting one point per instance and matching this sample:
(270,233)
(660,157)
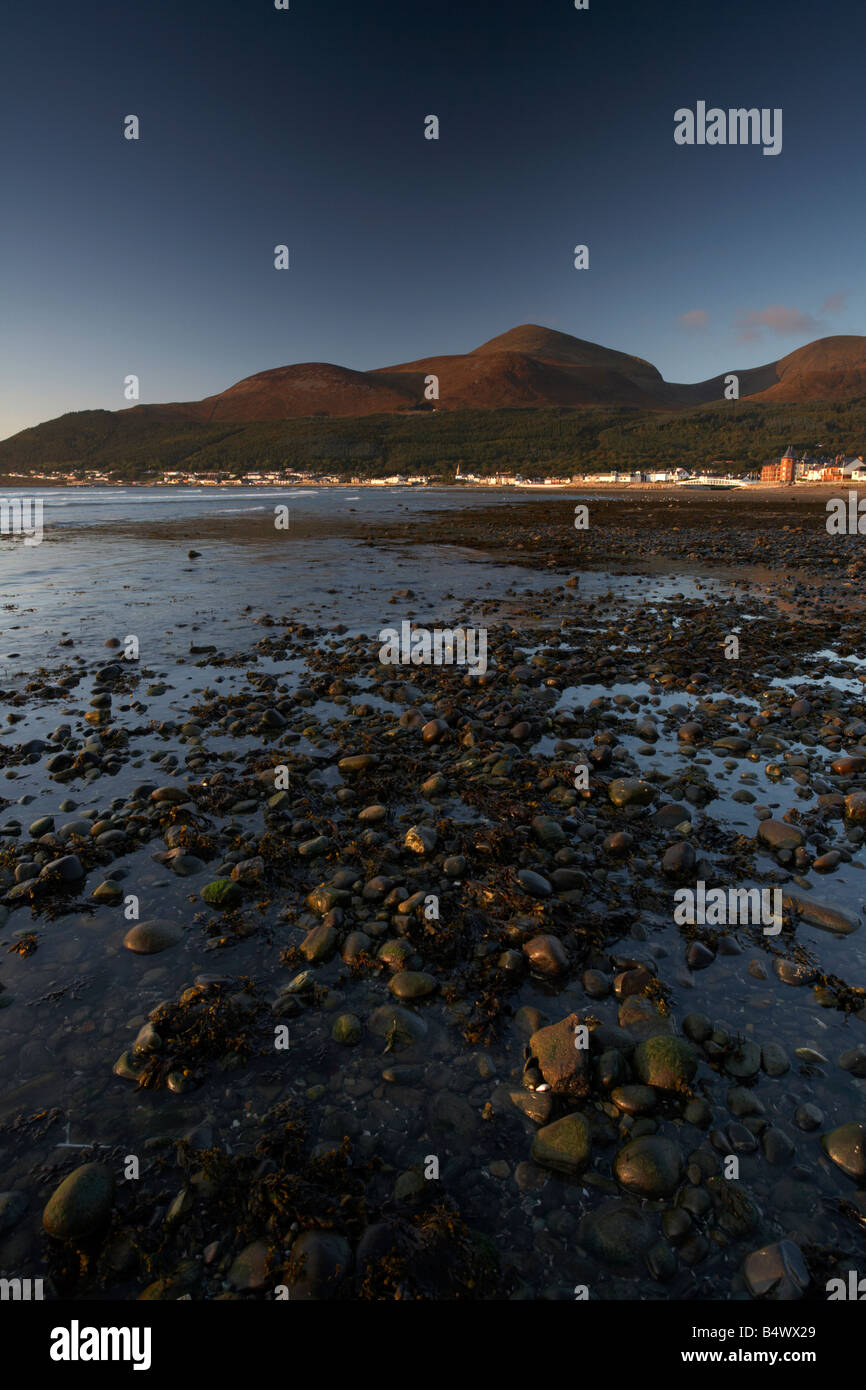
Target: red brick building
(782,472)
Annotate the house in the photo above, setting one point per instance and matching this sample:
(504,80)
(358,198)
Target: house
(781,472)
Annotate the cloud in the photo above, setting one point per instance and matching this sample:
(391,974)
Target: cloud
(778,318)
(835,303)
(694,320)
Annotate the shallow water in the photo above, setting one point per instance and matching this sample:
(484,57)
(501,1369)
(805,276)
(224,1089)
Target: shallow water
(80,998)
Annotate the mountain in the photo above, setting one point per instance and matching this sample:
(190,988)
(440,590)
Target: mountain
(528,368)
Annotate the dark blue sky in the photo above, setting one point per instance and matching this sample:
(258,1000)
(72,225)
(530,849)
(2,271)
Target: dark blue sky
(306,127)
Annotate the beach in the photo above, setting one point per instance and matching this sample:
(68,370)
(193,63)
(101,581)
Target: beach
(369,975)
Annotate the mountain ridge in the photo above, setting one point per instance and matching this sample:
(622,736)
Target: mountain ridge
(580,399)
(529,365)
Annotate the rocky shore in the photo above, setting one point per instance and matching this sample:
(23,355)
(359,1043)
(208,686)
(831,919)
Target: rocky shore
(358,981)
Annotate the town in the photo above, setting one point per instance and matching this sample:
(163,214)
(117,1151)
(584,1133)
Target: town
(782,472)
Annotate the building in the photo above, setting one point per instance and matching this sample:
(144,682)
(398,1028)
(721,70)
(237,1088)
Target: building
(781,473)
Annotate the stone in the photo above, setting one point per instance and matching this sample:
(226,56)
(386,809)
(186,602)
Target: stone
(318,1262)
(846,1147)
(630,791)
(319,944)
(774,1059)
(563,1066)
(411,984)
(666,1062)
(222,894)
(248,1270)
(819,914)
(396,1024)
(347,1030)
(67,869)
(12,1207)
(420,839)
(616,1233)
(81,1205)
(777,834)
(744,1061)
(678,858)
(650,1166)
(534,884)
(546,954)
(776,1272)
(151,936)
(563,1146)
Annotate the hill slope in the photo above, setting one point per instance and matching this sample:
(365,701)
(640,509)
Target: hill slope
(530,368)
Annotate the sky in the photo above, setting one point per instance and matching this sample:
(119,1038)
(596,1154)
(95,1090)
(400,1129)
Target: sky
(305,127)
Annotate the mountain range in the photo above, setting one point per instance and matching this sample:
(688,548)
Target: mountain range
(531,392)
(528,366)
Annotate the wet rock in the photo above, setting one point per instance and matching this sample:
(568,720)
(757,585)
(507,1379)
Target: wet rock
(774,1059)
(678,858)
(697,1027)
(108,892)
(854,1060)
(778,1147)
(699,956)
(250,871)
(666,1062)
(563,1146)
(744,1061)
(451,1117)
(81,1205)
(318,1263)
(616,1233)
(548,831)
(563,1066)
(325,898)
(650,1166)
(249,1268)
(357,762)
(808,1118)
(534,884)
(776,1272)
(170,795)
(820,914)
(595,983)
(537,1106)
(12,1207)
(630,791)
(222,894)
(347,1030)
(777,834)
(546,954)
(420,839)
(671,815)
(397,1025)
(68,869)
(846,1147)
(412,984)
(634,1100)
(151,936)
(319,944)
(793,972)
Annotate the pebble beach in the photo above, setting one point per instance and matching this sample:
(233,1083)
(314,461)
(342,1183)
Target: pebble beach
(328,978)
